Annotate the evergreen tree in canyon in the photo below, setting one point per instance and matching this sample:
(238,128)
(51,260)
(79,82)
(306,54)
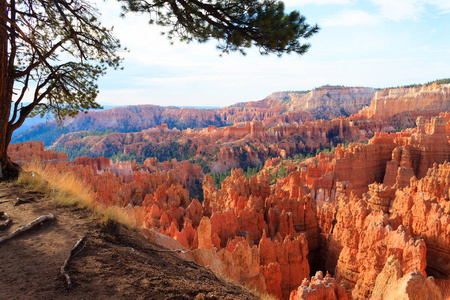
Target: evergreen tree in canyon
(53,51)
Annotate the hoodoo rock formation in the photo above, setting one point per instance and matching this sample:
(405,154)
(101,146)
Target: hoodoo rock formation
(345,212)
(33,152)
(319,287)
(390,158)
(281,222)
(407,216)
(245,230)
(249,143)
(366,246)
(373,213)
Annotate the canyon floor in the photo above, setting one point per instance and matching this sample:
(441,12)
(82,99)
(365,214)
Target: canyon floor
(112,263)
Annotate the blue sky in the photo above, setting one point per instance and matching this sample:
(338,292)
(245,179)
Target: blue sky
(374,43)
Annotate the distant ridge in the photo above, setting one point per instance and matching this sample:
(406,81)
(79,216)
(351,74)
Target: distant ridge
(38,119)
(326,102)
(323,103)
(201,107)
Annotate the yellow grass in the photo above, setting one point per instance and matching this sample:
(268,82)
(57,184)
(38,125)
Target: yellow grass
(68,190)
(262,294)
(265,296)
(117,214)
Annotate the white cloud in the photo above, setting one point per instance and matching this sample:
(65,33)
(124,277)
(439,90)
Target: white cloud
(249,86)
(350,18)
(444,5)
(316,2)
(400,9)
(158,73)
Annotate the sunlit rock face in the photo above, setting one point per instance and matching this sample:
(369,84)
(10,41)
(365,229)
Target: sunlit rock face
(393,159)
(424,207)
(393,284)
(362,224)
(365,251)
(403,105)
(399,170)
(327,102)
(319,288)
(279,220)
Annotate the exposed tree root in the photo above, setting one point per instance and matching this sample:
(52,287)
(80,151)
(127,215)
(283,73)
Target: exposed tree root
(176,250)
(72,253)
(27,227)
(7,220)
(22,201)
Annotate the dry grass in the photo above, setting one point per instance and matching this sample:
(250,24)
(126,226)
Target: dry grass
(70,191)
(262,294)
(117,214)
(63,189)
(265,296)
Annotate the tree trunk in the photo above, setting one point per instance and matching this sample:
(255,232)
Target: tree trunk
(9,170)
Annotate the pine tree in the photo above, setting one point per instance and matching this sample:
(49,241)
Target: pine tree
(58,48)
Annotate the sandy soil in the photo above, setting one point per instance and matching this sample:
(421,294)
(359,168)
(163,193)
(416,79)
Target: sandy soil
(112,263)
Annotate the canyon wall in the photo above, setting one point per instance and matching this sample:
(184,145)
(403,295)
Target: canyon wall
(426,101)
(327,102)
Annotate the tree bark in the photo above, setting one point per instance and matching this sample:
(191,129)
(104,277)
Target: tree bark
(9,170)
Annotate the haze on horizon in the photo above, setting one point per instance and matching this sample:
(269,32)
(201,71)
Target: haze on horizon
(372,43)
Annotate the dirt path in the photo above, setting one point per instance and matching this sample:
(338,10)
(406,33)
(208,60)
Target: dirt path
(114,263)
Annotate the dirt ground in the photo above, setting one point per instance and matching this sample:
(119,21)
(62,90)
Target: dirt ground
(112,263)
